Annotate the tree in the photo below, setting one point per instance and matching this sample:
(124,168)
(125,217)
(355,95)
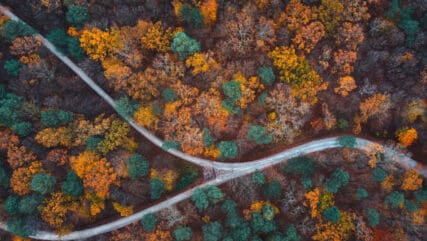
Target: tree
(199,63)
(209,10)
(146,117)
(28,204)
(200,199)
(378,174)
(407,136)
(72,185)
(21,177)
(77,15)
(308,37)
(266,74)
(191,16)
(43,183)
(346,141)
(137,166)
(4,176)
(155,36)
(55,209)
(212,231)
(25,46)
(346,85)
(13,29)
(157,188)
(18,226)
(53,137)
(22,129)
(93,142)
(214,194)
(301,165)
(149,222)
(12,67)
(11,205)
(115,137)
(169,95)
(184,46)
(126,107)
(330,14)
(258,134)
(331,214)
(373,217)
(59,38)
(56,118)
(361,193)
(182,233)
(394,199)
(99,44)
(339,179)
(258,178)
(272,190)
(74,48)
(411,181)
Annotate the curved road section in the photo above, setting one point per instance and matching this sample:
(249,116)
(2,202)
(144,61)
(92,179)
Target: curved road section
(227,171)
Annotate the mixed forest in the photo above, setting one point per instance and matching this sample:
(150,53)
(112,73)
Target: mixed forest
(229,81)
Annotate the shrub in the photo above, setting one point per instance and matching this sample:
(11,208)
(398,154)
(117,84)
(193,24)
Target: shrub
(332,214)
(301,165)
(157,188)
(212,231)
(126,107)
(361,193)
(13,29)
(137,166)
(228,149)
(11,205)
(22,128)
(12,67)
(266,74)
(55,118)
(394,199)
(347,141)
(258,178)
(184,46)
(29,204)
(373,217)
(43,183)
(273,190)
(307,183)
(77,15)
(169,95)
(191,16)
(258,134)
(170,145)
(339,179)
(182,233)
(72,185)
(378,174)
(149,222)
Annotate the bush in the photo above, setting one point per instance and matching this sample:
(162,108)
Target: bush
(137,166)
(394,199)
(56,118)
(339,179)
(378,174)
(157,188)
(169,95)
(126,107)
(331,214)
(266,74)
(182,233)
(77,15)
(72,185)
(13,29)
(11,205)
(361,193)
(347,141)
(301,165)
(12,67)
(22,128)
(212,231)
(273,190)
(43,183)
(29,204)
(184,46)
(149,222)
(92,142)
(258,134)
(258,178)
(228,149)
(373,217)
(191,16)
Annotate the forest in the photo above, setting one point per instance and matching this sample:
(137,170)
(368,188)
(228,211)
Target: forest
(227,81)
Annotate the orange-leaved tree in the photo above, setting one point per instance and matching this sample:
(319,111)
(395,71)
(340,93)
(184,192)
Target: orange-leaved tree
(407,136)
